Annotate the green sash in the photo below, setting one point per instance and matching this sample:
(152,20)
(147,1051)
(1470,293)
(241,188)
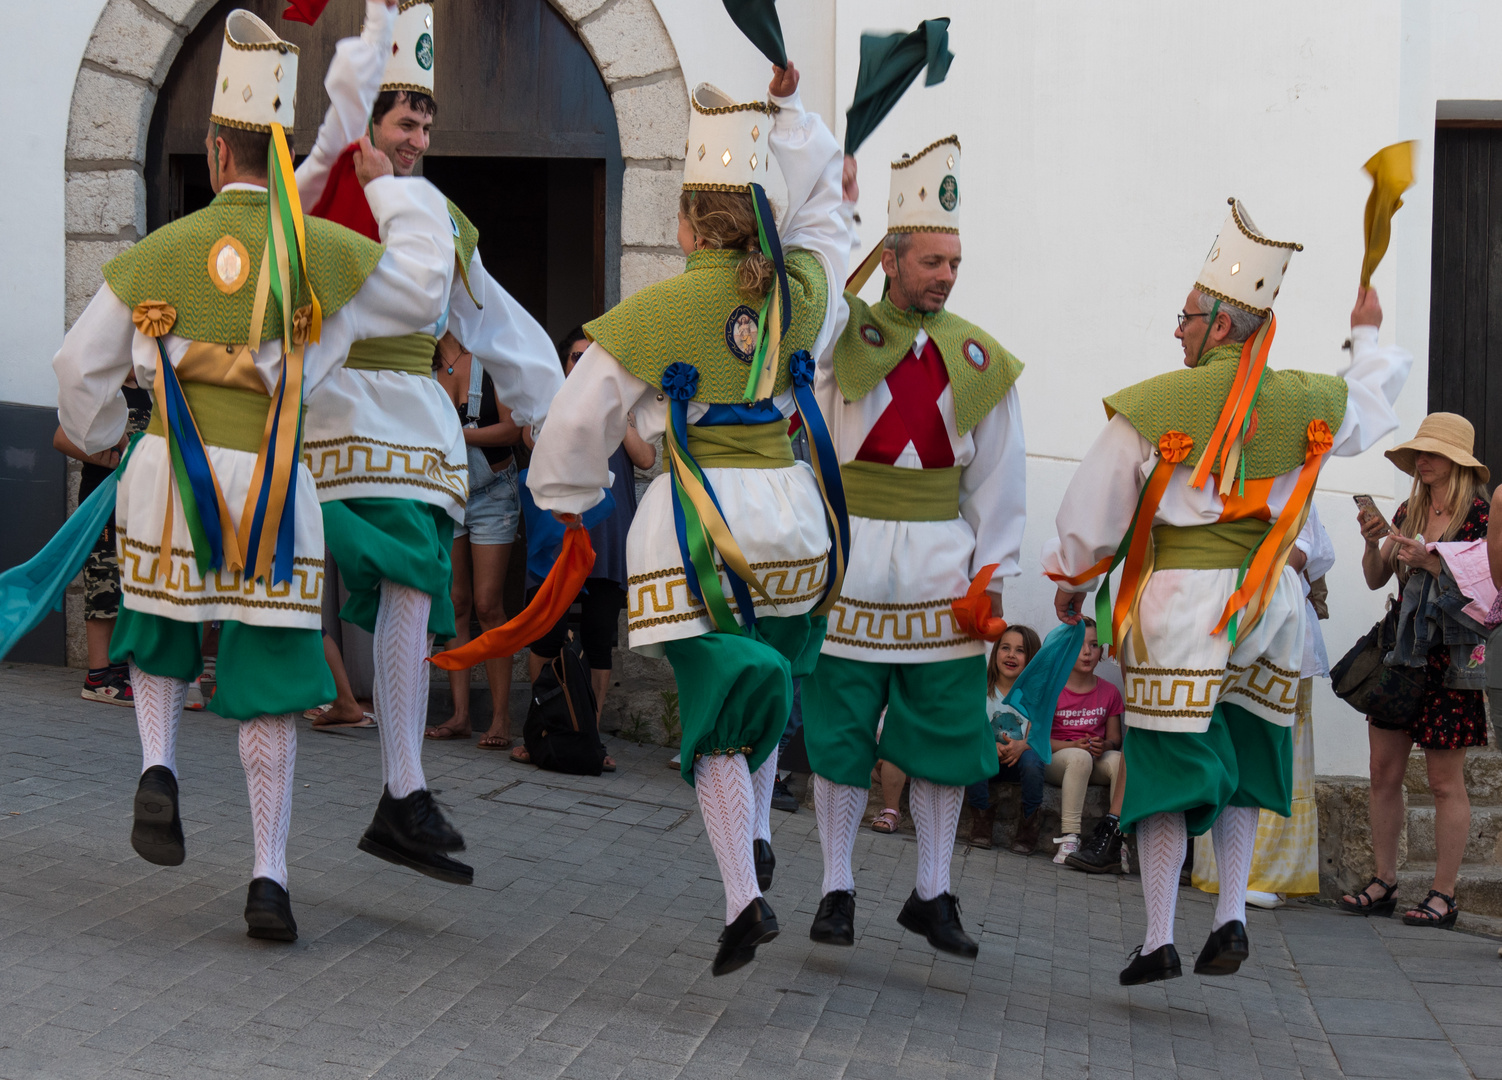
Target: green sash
(1221,546)
(412,353)
(890,493)
(741,446)
(226,416)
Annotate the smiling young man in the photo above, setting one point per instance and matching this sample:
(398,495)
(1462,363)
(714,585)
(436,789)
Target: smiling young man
(928,427)
(384,442)
(1211,470)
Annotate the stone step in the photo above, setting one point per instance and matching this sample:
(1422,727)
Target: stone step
(1483,844)
(1483,776)
(1478,890)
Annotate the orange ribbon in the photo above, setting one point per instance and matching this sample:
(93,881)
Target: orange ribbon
(1174,448)
(1259,581)
(570,571)
(1238,403)
(972,612)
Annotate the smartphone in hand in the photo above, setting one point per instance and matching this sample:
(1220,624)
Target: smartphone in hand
(1366,506)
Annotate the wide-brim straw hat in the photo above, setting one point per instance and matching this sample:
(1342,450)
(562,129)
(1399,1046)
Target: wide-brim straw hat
(1445,434)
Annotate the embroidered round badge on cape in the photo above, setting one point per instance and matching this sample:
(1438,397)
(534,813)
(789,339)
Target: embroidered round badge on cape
(949,192)
(229,264)
(873,335)
(740,333)
(976,353)
(425,52)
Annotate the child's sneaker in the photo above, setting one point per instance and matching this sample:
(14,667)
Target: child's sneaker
(107,685)
(1069,843)
(193,701)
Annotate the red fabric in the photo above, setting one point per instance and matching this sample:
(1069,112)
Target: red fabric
(973,610)
(569,573)
(304,11)
(343,200)
(913,416)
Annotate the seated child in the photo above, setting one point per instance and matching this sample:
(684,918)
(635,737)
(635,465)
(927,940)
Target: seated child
(1016,762)
(1086,741)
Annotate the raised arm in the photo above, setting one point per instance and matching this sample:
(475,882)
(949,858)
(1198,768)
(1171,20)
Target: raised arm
(511,346)
(353,82)
(91,367)
(993,492)
(571,463)
(1373,380)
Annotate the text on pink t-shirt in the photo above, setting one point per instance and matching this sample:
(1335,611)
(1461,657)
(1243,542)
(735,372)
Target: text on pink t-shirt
(1083,716)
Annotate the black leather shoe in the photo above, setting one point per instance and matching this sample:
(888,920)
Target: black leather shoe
(1160,964)
(157,834)
(1224,951)
(413,832)
(766,862)
(1101,854)
(268,912)
(939,921)
(782,798)
(754,926)
(834,922)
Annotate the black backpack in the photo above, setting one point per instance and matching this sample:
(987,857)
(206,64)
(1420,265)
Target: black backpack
(561,732)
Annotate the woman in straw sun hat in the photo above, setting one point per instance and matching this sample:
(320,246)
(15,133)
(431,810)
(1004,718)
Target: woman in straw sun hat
(1448,502)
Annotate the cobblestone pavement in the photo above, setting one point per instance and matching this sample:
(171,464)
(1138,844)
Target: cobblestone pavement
(583,948)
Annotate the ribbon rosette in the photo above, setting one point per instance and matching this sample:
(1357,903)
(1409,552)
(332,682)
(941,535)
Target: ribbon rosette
(680,381)
(302,322)
(802,368)
(1175,446)
(154,317)
(1320,439)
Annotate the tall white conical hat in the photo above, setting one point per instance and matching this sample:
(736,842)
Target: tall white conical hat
(257,81)
(411,65)
(727,147)
(925,195)
(1244,267)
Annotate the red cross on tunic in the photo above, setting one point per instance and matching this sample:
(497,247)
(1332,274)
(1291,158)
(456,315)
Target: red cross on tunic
(913,416)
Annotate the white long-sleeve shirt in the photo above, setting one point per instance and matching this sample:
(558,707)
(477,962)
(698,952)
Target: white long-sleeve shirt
(776,515)
(1319,556)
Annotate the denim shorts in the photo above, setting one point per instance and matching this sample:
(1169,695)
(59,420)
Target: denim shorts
(494,509)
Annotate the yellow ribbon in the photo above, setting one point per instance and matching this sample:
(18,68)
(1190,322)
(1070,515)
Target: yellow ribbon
(1391,170)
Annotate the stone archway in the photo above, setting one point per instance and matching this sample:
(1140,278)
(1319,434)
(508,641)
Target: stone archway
(135,42)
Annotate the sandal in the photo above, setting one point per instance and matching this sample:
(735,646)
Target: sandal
(1364,904)
(493,742)
(887,821)
(519,753)
(444,731)
(1425,915)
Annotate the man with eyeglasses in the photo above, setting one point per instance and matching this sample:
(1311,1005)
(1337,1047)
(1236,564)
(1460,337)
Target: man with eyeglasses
(1193,494)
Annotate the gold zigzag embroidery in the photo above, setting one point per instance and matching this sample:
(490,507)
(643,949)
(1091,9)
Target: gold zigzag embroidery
(927,624)
(1276,692)
(659,598)
(335,463)
(139,576)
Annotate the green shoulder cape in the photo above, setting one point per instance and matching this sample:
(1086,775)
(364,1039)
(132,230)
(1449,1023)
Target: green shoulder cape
(1190,400)
(701,318)
(172,265)
(877,338)
(466,236)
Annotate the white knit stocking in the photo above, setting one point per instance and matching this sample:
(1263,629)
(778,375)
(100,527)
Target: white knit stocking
(268,751)
(936,816)
(401,685)
(1235,836)
(837,811)
(159,707)
(761,787)
(1162,841)
(723,784)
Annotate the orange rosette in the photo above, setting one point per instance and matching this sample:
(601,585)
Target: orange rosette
(1320,438)
(154,317)
(1175,447)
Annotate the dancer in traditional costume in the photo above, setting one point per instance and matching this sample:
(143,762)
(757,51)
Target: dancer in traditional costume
(1208,618)
(928,426)
(231,316)
(384,443)
(730,555)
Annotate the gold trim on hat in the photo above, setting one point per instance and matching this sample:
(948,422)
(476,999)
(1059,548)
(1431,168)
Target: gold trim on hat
(925,228)
(744,189)
(411,88)
(1236,217)
(257,46)
(768,107)
(405,4)
(1224,299)
(224,121)
(948,140)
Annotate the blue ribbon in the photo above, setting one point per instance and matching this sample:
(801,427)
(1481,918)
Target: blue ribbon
(195,461)
(772,249)
(1035,694)
(283,557)
(825,457)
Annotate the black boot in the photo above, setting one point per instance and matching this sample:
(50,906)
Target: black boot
(754,926)
(157,834)
(1160,964)
(413,832)
(834,922)
(268,912)
(1101,854)
(939,921)
(766,862)
(1224,951)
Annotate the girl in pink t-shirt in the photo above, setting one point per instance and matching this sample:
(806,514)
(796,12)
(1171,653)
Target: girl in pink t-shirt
(1086,741)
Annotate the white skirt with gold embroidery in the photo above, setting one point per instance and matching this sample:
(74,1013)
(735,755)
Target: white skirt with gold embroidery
(1187,670)
(387,435)
(777,518)
(903,575)
(185,595)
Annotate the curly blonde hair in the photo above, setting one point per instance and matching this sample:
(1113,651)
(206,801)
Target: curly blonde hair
(727,220)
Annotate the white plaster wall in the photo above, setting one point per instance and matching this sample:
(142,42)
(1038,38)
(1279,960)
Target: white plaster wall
(31,214)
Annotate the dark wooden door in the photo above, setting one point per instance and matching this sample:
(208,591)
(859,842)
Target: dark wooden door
(525,141)
(1465,302)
